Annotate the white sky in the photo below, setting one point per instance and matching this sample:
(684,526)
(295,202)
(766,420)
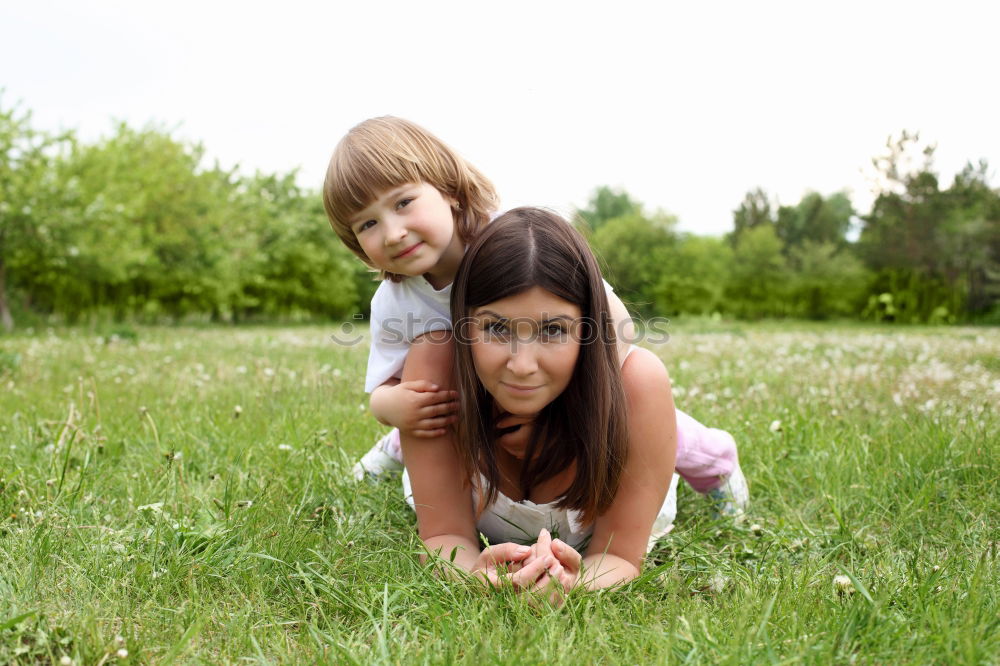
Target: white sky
(686,106)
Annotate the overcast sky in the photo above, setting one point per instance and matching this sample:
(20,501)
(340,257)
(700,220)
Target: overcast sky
(686,106)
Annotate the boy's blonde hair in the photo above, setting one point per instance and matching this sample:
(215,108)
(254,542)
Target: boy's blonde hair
(382,153)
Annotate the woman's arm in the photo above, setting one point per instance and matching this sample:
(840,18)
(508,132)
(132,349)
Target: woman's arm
(441,498)
(624,327)
(621,534)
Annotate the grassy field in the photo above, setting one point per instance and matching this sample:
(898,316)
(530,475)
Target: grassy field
(182,495)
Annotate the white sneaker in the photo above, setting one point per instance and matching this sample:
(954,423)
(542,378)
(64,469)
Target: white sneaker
(380,460)
(732,498)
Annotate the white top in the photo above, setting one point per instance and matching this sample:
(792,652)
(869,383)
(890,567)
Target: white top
(520,522)
(402,312)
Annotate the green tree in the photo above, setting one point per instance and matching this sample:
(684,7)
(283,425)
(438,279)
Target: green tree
(754,211)
(605,204)
(693,276)
(148,225)
(828,281)
(28,239)
(757,284)
(296,266)
(935,251)
(817,219)
(633,249)
(971,238)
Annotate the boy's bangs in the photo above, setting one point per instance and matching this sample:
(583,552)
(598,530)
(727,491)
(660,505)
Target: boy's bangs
(369,166)
(360,178)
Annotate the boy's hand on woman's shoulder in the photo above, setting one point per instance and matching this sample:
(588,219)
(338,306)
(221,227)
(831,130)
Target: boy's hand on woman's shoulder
(419,408)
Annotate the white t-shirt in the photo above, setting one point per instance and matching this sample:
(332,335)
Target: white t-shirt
(402,312)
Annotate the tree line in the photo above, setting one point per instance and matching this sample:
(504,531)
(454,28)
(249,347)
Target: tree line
(922,254)
(136,226)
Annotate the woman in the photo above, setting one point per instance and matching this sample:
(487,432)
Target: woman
(547,436)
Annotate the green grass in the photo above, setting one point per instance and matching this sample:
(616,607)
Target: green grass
(136,502)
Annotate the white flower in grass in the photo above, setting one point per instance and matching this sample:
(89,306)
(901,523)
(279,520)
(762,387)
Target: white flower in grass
(65,661)
(843,585)
(718,583)
(285,447)
(757,529)
(119,640)
(122,653)
(237,410)
(775,426)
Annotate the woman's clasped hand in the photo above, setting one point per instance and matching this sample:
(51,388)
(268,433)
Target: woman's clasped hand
(550,568)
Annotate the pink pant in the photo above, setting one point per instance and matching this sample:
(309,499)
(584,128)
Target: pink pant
(705,456)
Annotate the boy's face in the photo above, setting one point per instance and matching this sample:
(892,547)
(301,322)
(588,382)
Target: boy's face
(410,230)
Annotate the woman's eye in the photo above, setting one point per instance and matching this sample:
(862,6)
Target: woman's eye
(495,330)
(553,331)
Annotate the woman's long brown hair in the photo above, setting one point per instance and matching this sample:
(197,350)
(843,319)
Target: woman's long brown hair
(586,425)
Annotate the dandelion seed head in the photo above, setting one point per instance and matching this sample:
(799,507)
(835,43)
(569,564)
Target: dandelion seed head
(843,585)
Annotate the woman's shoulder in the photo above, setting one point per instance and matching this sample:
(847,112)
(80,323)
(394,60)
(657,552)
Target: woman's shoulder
(643,369)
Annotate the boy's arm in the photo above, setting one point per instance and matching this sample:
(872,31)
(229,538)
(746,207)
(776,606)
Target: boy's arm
(380,401)
(418,407)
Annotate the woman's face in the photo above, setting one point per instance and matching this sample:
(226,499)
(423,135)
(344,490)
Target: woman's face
(525,347)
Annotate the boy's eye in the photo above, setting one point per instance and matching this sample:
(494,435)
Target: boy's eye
(403,203)
(364,226)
